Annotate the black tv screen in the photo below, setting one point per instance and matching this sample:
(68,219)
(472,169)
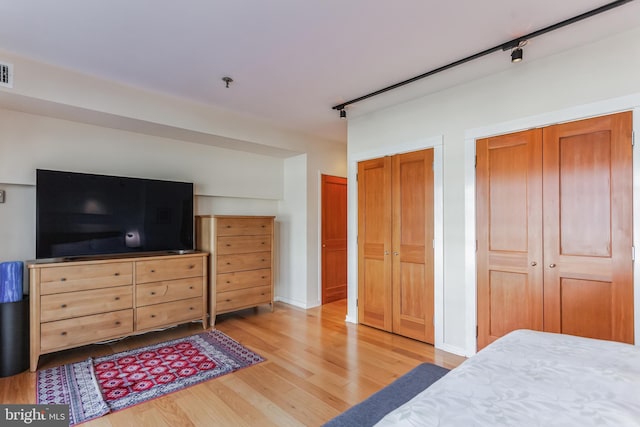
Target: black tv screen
(80,214)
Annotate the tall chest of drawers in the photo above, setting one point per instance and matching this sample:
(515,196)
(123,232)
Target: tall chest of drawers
(241,260)
(83,302)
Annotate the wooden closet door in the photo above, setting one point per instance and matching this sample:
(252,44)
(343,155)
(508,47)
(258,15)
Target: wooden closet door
(588,266)
(509,231)
(412,244)
(374,243)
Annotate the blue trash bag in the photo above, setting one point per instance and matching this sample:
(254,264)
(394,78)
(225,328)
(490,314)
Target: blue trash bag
(10,281)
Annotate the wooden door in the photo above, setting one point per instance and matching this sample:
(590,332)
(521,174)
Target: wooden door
(412,245)
(509,232)
(374,243)
(334,238)
(588,270)
(570,270)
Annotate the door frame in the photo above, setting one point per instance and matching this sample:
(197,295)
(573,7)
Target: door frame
(610,106)
(434,142)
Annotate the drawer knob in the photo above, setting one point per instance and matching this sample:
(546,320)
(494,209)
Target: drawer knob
(63,306)
(191,267)
(228,244)
(153,315)
(190,308)
(117,323)
(63,333)
(262,259)
(228,281)
(228,226)
(228,263)
(263,226)
(264,243)
(264,277)
(153,293)
(64,279)
(116,274)
(153,271)
(228,300)
(117,298)
(190,287)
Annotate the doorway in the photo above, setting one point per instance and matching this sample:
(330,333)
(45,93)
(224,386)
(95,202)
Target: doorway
(334,238)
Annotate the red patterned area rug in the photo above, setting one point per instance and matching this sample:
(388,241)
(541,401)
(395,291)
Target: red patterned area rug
(95,387)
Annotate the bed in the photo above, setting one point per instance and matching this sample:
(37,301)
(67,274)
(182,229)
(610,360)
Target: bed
(529,378)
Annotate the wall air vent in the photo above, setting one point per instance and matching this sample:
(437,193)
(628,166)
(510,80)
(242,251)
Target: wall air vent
(6,75)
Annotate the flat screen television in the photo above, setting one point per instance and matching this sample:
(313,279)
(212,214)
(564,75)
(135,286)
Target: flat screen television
(79,214)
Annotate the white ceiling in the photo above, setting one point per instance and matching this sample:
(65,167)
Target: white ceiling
(292,60)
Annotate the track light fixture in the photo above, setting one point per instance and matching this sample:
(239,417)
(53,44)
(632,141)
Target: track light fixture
(343,113)
(516,53)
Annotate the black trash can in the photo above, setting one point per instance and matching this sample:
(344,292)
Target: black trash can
(14,337)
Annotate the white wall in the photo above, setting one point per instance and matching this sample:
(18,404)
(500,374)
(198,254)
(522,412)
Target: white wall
(292,234)
(30,141)
(596,72)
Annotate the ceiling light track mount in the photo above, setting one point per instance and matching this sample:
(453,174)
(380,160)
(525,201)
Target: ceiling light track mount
(514,45)
(227,81)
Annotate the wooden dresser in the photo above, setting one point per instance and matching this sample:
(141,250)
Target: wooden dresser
(83,302)
(241,261)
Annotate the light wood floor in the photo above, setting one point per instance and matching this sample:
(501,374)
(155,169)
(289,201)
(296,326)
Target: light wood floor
(317,366)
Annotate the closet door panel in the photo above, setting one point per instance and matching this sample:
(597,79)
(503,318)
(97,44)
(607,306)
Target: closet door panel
(507,287)
(588,283)
(374,243)
(586,308)
(412,245)
(509,226)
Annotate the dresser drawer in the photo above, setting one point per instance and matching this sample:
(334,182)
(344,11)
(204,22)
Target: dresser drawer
(243,226)
(176,268)
(85,330)
(72,278)
(83,303)
(172,290)
(168,313)
(243,279)
(240,262)
(250,297)
(243,244)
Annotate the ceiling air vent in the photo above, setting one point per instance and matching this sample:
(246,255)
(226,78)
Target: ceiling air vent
(6,74)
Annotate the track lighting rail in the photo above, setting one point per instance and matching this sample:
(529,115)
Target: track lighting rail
(511,44)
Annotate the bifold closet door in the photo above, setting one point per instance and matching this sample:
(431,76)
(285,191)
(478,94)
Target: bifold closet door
(374,243)
(509,232)
(395,244)
(412,245)
(588,267)
(554,228)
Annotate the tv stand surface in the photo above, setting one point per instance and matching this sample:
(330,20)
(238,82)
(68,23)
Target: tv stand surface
(85,301)
(111,256)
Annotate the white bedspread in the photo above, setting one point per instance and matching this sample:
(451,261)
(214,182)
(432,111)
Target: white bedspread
(532,378)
